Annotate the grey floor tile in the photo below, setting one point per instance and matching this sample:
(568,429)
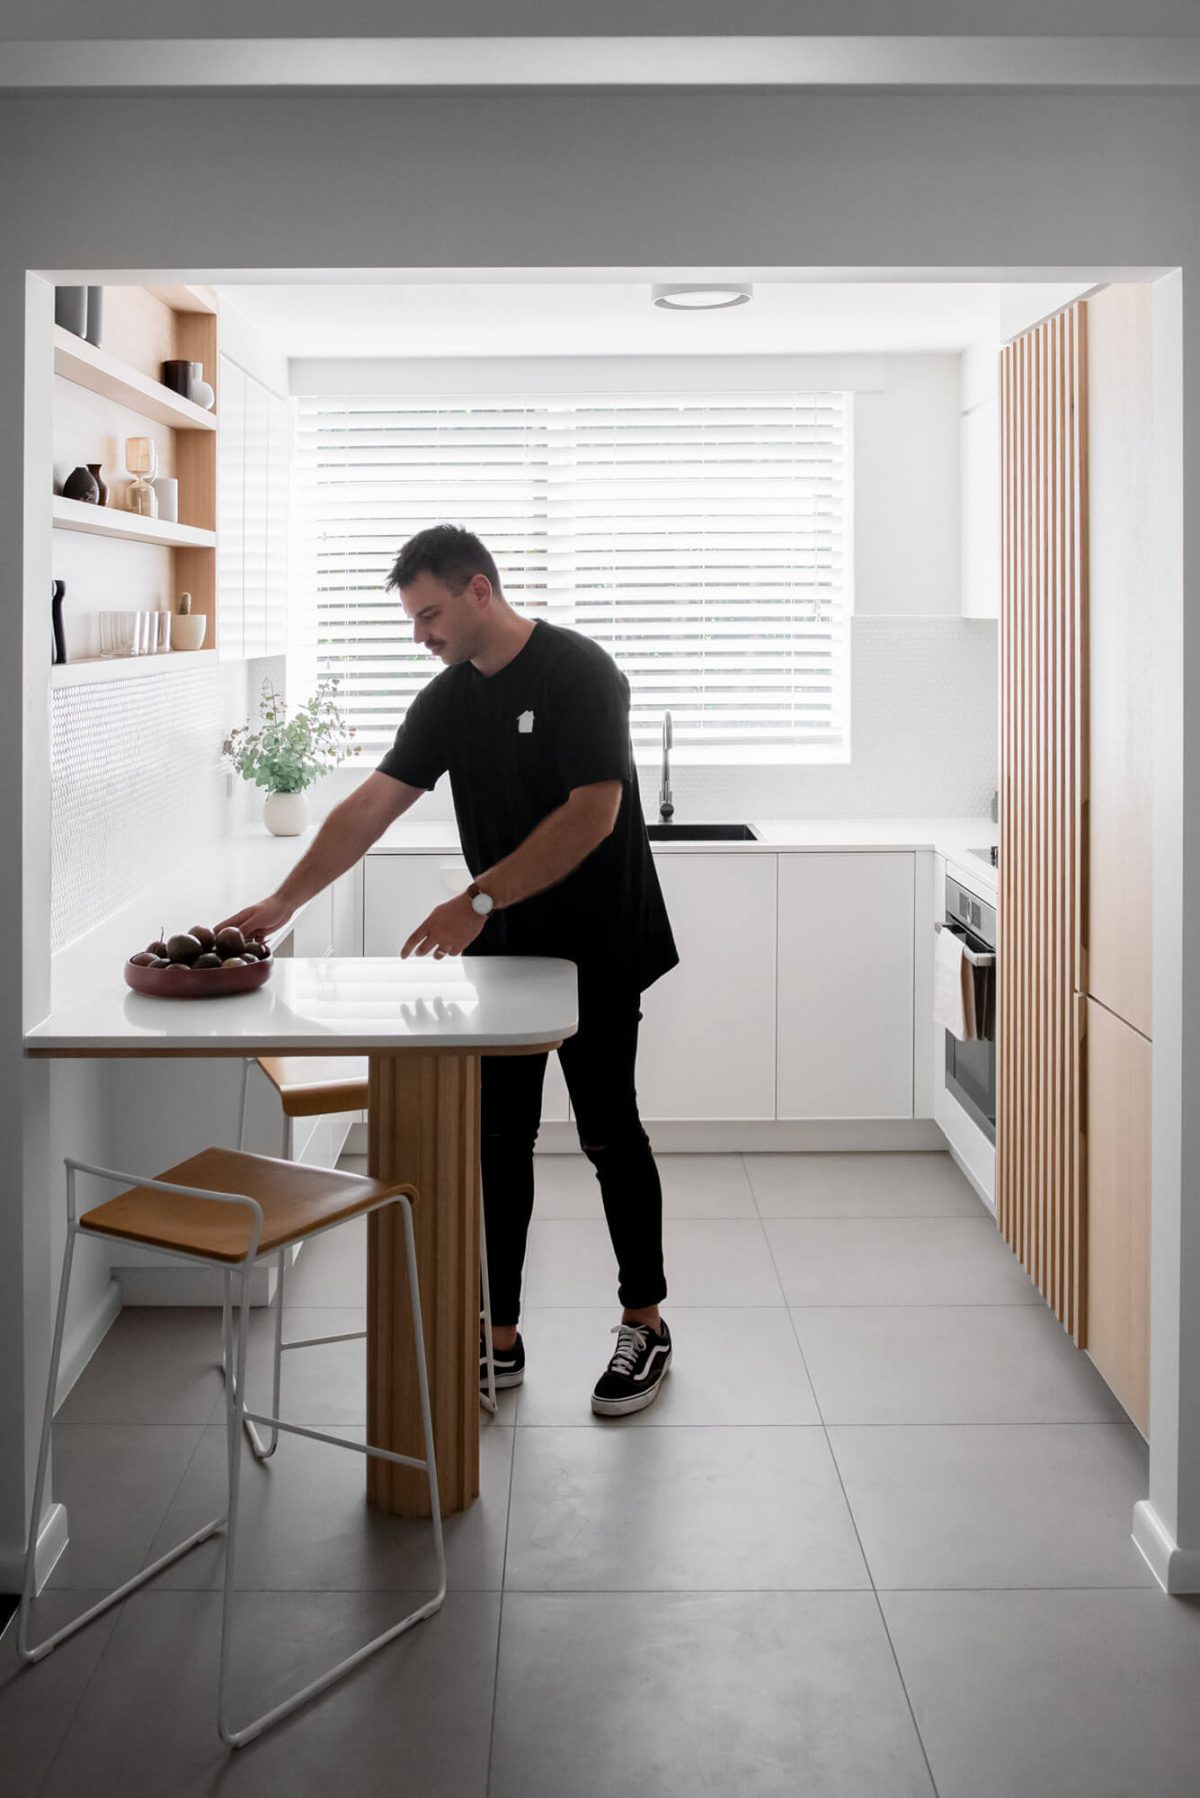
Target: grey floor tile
(693,1186)
(331,1269)
(876,1185)
(1053,1694)
(116,1481)
(158,1364)
(897,1261)
(604,1693)
(728,1366)
(415,1718)
(707,1261)
(678,1510)
(305,1524)
(321,1385)
(37,1703)
(949,1364)
(1003,1505)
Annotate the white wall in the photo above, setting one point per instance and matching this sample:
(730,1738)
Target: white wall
(1041,182)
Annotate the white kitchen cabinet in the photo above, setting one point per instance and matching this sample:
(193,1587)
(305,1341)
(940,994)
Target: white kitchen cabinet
(254,459)
(279,486)
(231,511)
(400,890)
(845,1018)
(706,1048)
(979,483)
(254,540)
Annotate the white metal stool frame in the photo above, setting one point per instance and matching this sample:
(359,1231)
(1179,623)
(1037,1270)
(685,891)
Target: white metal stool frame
(235,1416)
(264,1450)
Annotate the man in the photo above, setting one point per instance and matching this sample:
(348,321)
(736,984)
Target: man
(532,723)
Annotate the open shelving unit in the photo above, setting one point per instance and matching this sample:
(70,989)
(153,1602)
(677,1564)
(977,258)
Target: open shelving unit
(110,521)
(105,394)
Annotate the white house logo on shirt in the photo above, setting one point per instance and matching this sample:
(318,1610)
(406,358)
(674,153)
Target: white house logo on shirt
(525,724)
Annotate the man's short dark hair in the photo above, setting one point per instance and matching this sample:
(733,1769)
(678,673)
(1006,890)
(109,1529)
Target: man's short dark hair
(451,554)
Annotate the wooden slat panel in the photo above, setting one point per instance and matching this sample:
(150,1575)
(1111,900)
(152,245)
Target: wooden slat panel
(1043,615)
(1117,1086)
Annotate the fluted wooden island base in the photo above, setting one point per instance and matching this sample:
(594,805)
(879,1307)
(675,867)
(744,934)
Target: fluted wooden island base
(424,1130)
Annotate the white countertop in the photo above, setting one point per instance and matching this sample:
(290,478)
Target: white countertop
(338,1005)
(955,838)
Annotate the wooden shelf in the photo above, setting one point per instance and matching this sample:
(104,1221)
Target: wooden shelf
(77,674)
(110,521)
(79,361)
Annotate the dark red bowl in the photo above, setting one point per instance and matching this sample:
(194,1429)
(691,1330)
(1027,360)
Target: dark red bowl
(181,982)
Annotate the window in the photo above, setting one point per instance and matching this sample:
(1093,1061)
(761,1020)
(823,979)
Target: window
(704,540)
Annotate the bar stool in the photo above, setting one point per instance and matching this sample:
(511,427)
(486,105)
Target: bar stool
(319,1086)
(229,1210)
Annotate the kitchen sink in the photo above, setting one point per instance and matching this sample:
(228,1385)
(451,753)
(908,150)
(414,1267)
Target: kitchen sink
(701,833)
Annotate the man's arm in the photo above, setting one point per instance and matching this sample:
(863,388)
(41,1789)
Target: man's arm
(342,840)
(551,851)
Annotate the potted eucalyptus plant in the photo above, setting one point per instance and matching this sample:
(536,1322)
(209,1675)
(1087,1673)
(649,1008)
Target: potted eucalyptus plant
(285,755)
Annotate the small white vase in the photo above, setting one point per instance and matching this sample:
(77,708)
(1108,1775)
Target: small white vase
(286,814)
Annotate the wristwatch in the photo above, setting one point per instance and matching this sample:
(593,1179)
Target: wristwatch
(481,903)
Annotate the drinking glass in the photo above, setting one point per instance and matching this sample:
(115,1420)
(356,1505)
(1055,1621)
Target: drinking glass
(163,622)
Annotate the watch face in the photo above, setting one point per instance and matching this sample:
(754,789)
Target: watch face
(482,904)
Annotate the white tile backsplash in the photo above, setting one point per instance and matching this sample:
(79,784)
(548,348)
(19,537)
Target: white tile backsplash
(137,785)
(924,722)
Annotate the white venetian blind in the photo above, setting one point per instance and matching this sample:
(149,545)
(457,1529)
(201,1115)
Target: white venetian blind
(702,539)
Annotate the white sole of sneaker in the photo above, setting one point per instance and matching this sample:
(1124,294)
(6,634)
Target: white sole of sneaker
(504,1380)
(621,1407)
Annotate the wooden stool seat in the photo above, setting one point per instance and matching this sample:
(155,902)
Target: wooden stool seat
(296,1201)
(313,1085)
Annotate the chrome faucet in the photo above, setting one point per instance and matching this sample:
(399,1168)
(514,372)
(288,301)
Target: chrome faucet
(666,809)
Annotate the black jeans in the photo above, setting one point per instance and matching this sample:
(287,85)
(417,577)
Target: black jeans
(598,1064)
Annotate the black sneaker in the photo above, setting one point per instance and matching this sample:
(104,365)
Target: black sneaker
(635,1372)
(509,1363)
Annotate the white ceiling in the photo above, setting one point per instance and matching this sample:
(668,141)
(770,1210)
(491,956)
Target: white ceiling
(576,316)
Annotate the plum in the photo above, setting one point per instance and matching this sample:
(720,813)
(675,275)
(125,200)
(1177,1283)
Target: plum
(203,936)
(230,941)
(208,960)
(143,959)
(183,948)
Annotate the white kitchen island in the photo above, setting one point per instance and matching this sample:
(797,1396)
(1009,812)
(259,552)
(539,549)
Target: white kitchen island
(424,1026)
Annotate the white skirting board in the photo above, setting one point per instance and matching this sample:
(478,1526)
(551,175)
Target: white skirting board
(81,1342)
(1176,1569)
(52,1540)
(824,1136)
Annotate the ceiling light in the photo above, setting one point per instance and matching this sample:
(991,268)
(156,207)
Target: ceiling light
(697,298)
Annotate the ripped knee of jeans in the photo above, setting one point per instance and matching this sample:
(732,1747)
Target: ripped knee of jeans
(632,1140)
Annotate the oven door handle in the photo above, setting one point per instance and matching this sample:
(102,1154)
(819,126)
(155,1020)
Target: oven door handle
(976,959)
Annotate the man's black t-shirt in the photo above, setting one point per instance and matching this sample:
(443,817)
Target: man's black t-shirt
(515,744)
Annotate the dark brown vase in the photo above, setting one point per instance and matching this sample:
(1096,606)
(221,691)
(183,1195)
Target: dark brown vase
(81,484)
(102,489)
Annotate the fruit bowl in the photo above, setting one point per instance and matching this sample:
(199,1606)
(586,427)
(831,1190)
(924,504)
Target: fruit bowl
(200,964)
(181,982)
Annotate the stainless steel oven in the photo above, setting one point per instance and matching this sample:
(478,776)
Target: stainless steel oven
(971,1065)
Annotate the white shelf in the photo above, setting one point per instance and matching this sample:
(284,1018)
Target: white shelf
(78,674)
(79,361)
(110,521)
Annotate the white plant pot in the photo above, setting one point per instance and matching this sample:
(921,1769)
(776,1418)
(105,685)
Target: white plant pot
(188,632)
(286,814)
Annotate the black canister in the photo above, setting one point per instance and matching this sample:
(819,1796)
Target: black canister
(178,376)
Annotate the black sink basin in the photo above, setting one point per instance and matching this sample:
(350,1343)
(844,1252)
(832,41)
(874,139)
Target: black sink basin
(701,833)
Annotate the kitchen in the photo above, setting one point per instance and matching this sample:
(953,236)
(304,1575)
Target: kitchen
(853,845)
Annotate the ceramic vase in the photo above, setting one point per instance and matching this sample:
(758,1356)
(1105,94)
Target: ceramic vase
(101,485)
(187,630)
(203,395)
(286,814)
(58,592)
(81,484)
(95,315)
(70,309)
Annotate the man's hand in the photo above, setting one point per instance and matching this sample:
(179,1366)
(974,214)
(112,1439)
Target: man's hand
(447,930)
(261,920)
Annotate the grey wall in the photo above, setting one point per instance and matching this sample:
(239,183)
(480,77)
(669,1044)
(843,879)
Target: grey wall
(1051,181)
(67,19)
